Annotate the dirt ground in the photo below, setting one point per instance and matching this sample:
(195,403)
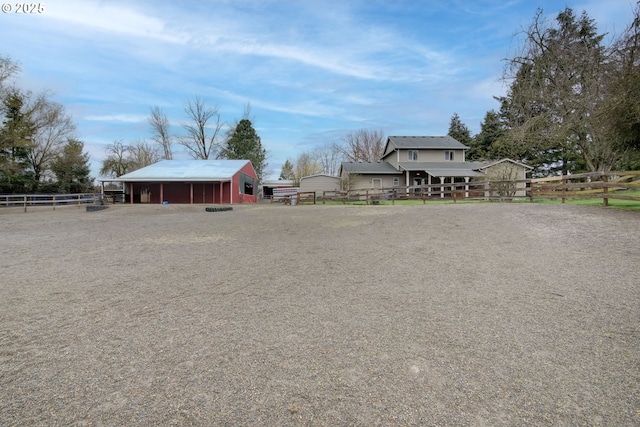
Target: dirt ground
(468,314)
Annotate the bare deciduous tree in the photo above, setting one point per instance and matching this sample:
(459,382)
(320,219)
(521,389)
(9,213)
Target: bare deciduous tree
(305,165)
(8,69)
(328,157)
(143,154)
(122,158)
(363,145)
(118,160)
(202,140)
(160,131)
(52,127)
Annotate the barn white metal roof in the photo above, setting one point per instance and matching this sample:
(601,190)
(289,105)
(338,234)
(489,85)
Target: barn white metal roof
(185,171)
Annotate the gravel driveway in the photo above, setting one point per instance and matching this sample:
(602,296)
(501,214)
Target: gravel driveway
(467,314)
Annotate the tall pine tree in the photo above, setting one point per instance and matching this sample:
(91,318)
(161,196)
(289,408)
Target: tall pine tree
(491,130)
(15,136)
(459,130)
(72,170)
(556,92)
(244,144)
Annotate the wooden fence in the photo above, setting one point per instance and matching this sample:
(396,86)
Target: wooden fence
(601,185)
(472,190)
(589,185)
(53,200)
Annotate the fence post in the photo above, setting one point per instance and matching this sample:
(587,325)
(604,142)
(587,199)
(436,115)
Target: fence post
(605,190)
(25,203)
(564,188)
(54,202)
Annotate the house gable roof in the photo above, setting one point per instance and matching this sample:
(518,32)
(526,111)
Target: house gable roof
(185,171)
(422,143)
(369,168)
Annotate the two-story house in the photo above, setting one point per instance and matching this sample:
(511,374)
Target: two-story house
(417,160)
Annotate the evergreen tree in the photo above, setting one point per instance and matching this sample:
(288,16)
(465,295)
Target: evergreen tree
(621,110)
(459,130)
(491,130)
(15,136)
(552,106)
(71,168)
(244,144)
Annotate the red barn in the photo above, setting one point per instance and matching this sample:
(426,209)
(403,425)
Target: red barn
(192,181)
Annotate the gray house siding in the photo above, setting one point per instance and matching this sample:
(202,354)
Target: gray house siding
(402,156)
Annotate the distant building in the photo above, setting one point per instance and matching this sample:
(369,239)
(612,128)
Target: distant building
(320,183)
(191,181)
(412,161)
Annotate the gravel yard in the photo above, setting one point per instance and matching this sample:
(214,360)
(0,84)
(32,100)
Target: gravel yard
(461,314)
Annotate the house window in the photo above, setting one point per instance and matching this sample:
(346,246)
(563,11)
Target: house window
(396,181)
(413,154)
(376,183)
(448,155)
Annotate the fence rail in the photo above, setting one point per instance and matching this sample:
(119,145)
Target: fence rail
(602,185)
(473,190)
(53,200)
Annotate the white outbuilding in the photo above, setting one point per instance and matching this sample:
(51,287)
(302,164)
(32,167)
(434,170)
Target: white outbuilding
(319,183)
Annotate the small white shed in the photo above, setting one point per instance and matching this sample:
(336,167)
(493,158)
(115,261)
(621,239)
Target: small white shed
(319,183)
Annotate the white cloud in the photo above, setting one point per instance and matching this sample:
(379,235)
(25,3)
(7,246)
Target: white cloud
(122,118)
(118,18)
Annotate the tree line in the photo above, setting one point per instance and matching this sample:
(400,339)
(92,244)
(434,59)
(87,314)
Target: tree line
(572,105)
(573,102)
(205,136)
(40,151)
(39,148)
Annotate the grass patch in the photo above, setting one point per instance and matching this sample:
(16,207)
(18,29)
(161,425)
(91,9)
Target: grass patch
(403,202)
(627,205)
(630,205)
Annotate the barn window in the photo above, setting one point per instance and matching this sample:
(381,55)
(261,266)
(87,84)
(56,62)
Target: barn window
(248,188)
(247,184)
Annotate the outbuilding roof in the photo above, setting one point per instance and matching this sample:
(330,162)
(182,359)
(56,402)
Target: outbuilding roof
(493,163)
(185,171)
(320,175)
(370,167)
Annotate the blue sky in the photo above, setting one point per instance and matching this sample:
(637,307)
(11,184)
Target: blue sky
(312,71)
